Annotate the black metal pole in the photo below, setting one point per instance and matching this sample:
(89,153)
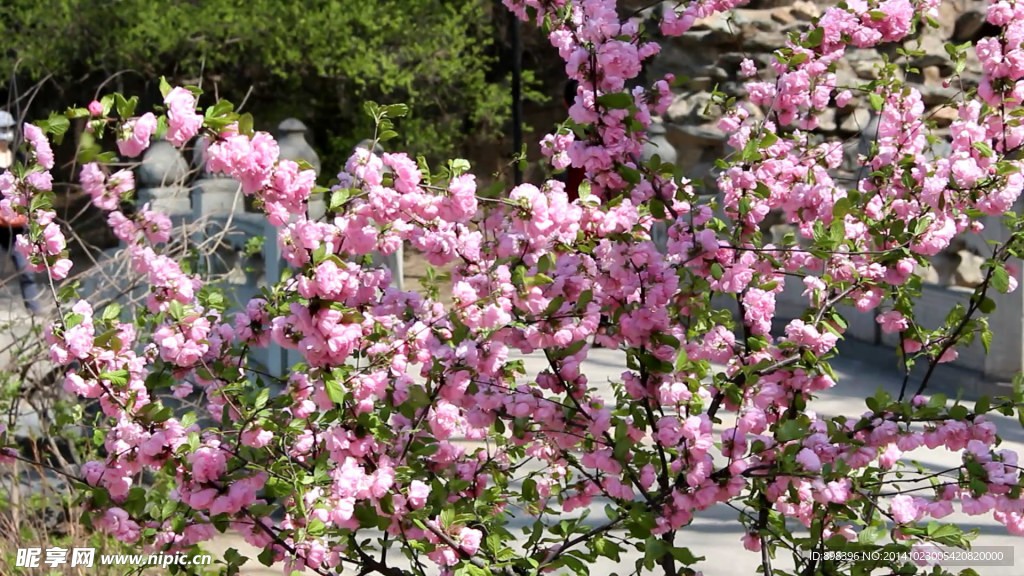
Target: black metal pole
(517,98)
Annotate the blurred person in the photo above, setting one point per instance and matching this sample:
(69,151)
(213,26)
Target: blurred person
(572,176)
(10,229)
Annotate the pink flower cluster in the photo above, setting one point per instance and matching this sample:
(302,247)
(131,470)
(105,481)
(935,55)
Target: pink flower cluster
(279,184)
(183,122)
(106,194)
(392,383)
(136,133)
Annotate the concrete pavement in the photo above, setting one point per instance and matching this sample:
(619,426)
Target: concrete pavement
(715,534)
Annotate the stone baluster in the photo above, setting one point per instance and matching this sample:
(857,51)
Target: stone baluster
(1006,355)
(212,194)
(215,199)
(291,137)
(162,181)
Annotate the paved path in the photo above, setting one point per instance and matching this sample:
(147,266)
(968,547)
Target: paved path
(715,534)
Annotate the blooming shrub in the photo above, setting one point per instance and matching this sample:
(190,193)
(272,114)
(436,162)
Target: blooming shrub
(361,450)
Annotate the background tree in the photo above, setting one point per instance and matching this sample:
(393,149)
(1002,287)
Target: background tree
(318,60)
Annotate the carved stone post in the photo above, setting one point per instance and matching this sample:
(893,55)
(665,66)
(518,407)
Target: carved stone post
(291,137)
(213,194)
(162,181)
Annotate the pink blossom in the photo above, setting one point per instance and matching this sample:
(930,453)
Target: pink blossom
(183,122)
(257,437)
(809,460)
(136,135)
(444,421)
(40,145)
(94,184)
(117,522)
(418,494)
(469,540)
(837,491)
(462,190)
(747,67)
(892,321)
(250,160)
(889,456)
(904,509)
(208,464)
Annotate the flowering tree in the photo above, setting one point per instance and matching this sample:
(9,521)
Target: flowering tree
(358,454)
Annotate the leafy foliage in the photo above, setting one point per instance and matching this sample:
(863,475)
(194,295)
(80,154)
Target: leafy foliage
(316,60)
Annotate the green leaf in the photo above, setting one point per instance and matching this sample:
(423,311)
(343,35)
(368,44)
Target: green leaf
(266,557)
(111,312)
(631,175)
(877,101)
(338,198)
(554,306)
(987,305)
(1001,279)
(815,38)
(245,124)
(619,100)
(662,338)
(606,548)
(791,430)
(984,148)
(233,558)
(165,89)
(116,377)
(622,446)
(654,550)
(658,208)
(277,487)
(57,125)
(530,490)
(459,166)
(447,518)
(684,556)
(798,59)
(41,202)
(982,405)
(262,398)
(870,534)
(125,107)
(396,110)
(176,310)
(334,391)
(585,297)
